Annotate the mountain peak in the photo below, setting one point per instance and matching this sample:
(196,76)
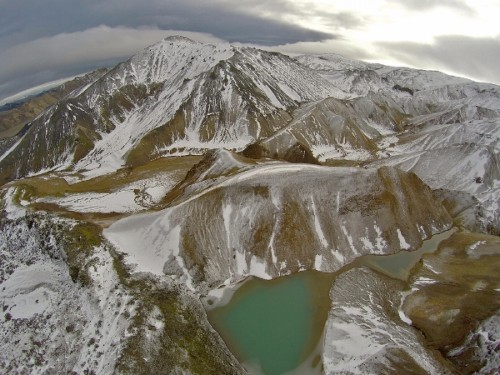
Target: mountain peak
(178,38)
(175,41)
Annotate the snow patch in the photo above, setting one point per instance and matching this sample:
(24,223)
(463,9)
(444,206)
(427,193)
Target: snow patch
(128,237)
(318,261)
(121,201)
(289,91)
(380,243)
(258,268)
(12,210)
(317,225)
(402,241)
(401,312)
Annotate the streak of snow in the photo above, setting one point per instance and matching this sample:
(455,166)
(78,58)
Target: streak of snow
(270,94)
(349,240)
(318,261)
(317,225)
(289,91)
(226,214)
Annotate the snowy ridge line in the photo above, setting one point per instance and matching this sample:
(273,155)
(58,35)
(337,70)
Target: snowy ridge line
(249,174)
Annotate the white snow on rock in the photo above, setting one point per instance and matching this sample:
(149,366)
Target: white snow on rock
(236,220)
(85,325)
(134,197)
(359,334)
(238,203)
(402,241)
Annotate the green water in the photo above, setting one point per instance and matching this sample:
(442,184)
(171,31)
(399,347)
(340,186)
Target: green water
(274,326)
(400,264)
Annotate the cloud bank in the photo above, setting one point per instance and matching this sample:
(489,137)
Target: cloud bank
(46,40)
(49,58)
(471,57)
(50,39)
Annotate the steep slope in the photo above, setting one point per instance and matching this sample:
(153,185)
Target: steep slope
(68,131)
(242,99)
(352,78)
(388,105)
(334,129)
(13,120)
(271,219)
(461,158)
(181,97)
(454,301)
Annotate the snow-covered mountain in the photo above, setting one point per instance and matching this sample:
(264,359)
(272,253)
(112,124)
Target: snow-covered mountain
(175,95)
(192,166)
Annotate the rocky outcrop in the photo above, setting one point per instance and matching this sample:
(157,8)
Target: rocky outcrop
(69,306)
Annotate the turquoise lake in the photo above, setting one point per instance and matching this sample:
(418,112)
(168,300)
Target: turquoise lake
(274,326)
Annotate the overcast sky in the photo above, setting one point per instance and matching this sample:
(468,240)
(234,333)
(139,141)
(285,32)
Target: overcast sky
(45,40)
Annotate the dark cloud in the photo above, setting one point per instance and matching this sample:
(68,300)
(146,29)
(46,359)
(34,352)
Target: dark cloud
(276,8)
(63,55)
(63,28)
(233,21)
(471,57)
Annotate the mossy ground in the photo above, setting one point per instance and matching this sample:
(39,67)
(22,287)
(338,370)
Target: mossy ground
(52,185)
(79,243)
